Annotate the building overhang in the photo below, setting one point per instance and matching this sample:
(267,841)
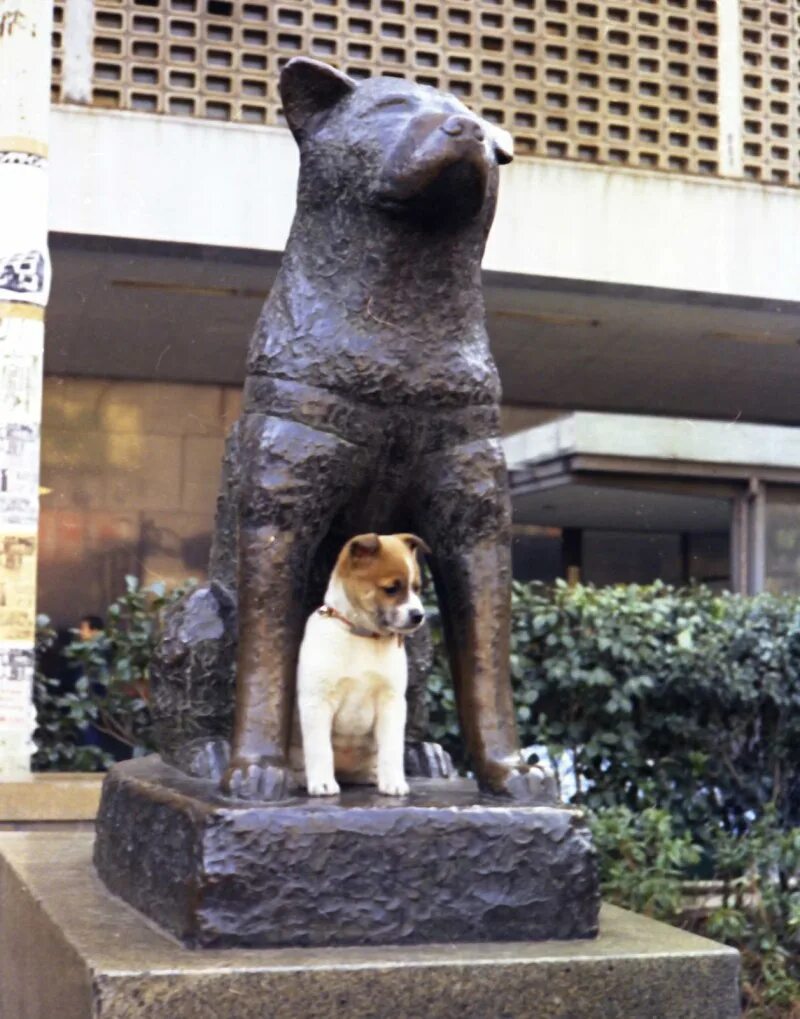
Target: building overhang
(606,289)
(634,472)
(202,182)
(156,310)
(669,445)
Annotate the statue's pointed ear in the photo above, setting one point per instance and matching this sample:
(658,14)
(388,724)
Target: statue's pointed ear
(309,87)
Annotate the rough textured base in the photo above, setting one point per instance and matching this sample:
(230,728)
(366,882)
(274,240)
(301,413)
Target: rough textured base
(441,865)
(70,950)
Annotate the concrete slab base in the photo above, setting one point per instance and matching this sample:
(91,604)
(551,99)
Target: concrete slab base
(50,799)
(69,949)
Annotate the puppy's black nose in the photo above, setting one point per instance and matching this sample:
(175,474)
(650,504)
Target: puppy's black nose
(415,616)
(459,124)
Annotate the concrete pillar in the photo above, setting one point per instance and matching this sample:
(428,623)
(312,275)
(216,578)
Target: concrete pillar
(757,537)
(572,555)
(76,76)
(25,28)
(730,88)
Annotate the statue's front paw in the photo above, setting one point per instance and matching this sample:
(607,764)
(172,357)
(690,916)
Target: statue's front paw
(428,760)
(258,778)
(204,758)
(525,783)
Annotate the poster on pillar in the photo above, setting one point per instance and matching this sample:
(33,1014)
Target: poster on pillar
(17,586)
(16,679)
(16,744)
(19,477)
(24,260)
(17,622)
(20,368)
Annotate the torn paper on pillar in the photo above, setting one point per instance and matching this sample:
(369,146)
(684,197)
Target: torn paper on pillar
(24,259)
(19,476)
(16,684)
(20,369)
(17,587)
(17,712)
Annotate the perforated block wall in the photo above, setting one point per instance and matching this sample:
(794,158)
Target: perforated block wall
(631,83)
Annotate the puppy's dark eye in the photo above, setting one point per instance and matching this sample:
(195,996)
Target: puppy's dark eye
(392,588)
(416,588)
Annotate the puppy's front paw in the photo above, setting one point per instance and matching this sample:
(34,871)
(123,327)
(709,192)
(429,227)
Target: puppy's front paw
(323,787)
(393,786)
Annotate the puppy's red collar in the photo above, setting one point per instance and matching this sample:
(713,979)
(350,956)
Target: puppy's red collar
(357,631)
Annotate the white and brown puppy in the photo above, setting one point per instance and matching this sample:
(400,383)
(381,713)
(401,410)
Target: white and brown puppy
(352,672)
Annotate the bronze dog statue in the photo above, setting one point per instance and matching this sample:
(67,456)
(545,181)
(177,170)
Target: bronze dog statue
(370,404)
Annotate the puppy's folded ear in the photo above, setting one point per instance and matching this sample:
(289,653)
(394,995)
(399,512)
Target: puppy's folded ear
(308,88)
(364,546)
(414,543)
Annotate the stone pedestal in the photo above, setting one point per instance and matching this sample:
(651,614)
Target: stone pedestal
(442,865)
(69,949)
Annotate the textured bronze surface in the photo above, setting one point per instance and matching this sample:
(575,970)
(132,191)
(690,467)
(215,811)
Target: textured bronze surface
(70,950)
(371,404)
(440,865)
(371,401)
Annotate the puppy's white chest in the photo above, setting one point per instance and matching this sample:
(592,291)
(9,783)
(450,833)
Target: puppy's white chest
(355,704)
(360,670)
(351,672)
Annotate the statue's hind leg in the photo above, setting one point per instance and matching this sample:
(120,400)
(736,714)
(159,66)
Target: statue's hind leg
(293,480)
(464,514)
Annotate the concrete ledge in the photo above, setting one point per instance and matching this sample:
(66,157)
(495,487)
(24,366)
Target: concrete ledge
(699,233)
(675,441)
(70,949)
(51,797)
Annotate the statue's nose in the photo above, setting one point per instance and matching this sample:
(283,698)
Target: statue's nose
(458,124)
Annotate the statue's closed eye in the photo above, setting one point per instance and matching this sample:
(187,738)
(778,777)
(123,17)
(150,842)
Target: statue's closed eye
(399,102)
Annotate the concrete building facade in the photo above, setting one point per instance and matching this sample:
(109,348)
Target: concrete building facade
(641,277)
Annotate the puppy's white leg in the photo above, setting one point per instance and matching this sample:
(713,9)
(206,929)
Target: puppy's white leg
(390,726)
(316,724)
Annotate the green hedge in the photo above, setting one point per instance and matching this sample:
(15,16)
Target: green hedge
(755,902)
(679,711)
(681,699)
(106,715)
